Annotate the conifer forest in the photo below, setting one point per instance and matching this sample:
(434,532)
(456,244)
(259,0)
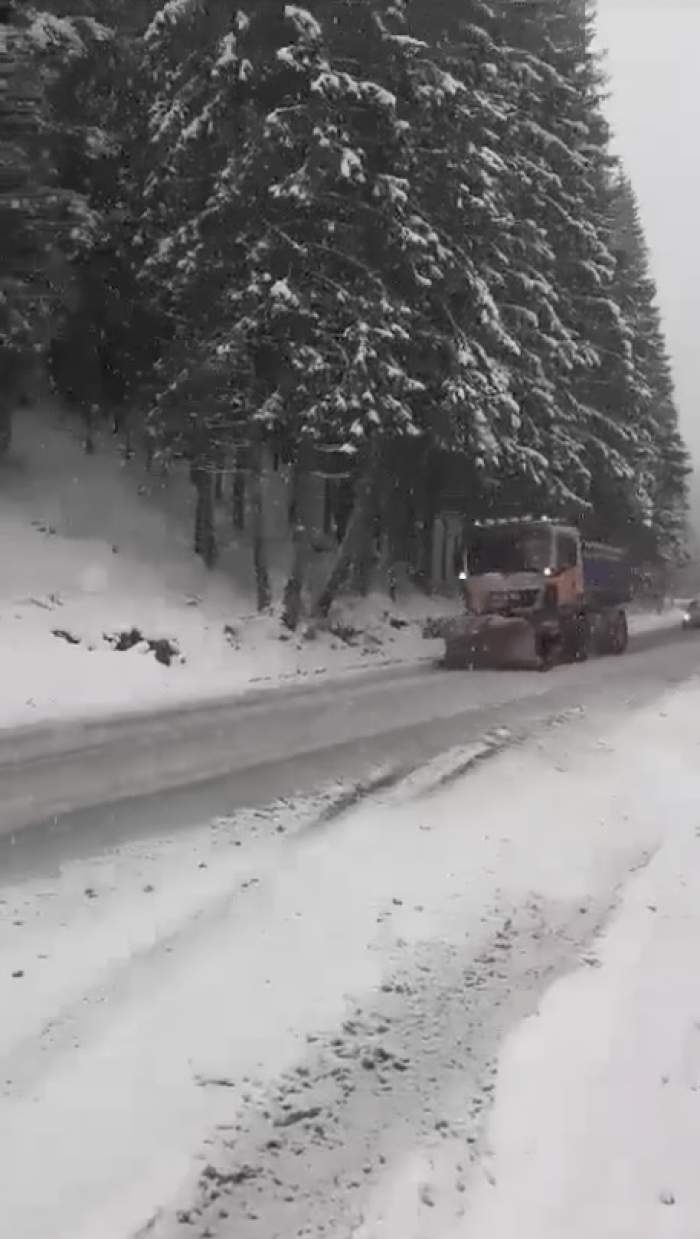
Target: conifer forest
(387,241)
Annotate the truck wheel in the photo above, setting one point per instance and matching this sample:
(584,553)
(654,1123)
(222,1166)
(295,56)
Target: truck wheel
(546,652)
(583,651)
(582,639)
(5,430)
(619,635)
(576,642)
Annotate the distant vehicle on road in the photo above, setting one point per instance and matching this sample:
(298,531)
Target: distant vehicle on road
(691,615)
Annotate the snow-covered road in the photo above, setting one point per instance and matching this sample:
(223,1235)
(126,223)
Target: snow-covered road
(288,1019)
(61,766)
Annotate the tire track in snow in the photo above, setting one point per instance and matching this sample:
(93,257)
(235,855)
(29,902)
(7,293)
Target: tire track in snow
(400,784)
(129,977)
(379,1124)
(238,881)
(439,985)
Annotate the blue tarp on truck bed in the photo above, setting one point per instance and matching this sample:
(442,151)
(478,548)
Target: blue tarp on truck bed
(607,577)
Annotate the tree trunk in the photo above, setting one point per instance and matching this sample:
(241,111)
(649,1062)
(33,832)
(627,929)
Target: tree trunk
(5,426)
(431,480)
(129,452)
(364,554)
(121,425)
(238,499)
(262,574)
(219,477)
(294,588)
(424,575)
(89,419)
(204,530)
(395,497)
(355,534)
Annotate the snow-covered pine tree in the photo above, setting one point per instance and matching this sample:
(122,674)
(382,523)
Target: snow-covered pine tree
(454,104)
(503,180)
(203,217)
(599,389)
(662,460)
(30,214)
(331,294)
(102,338)
(371,224)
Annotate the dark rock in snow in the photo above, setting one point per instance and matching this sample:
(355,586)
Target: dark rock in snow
(65,636)
(346,633)
(298,1116)
(164,648)
(126,640)
(232,1179)
(232,635)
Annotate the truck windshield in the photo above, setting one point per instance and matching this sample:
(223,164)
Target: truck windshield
(511,551)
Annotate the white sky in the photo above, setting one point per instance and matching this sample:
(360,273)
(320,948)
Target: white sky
(652,61)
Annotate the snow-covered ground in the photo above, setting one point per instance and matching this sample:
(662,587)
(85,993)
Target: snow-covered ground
(84,557)
(597,1117)
(295,1020)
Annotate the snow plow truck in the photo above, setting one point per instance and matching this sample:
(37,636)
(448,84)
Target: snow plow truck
(537,594)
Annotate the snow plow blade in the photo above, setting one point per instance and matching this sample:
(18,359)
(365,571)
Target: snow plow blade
(492,641)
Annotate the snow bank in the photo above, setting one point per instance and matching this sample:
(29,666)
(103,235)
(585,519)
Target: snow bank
(84,557)
(597,1119)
